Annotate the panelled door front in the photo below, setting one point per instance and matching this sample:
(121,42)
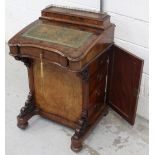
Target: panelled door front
(124,82)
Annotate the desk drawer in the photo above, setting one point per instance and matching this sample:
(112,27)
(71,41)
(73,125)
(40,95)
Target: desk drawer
(52,57)
(98,78)
(97,95)
(98,63)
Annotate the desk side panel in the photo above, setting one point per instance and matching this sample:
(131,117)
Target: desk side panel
(58,92)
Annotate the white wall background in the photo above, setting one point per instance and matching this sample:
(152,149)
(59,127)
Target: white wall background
(129,16)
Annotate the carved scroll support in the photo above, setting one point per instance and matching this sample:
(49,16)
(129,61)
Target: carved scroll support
(29,108)
(80,131)
(26,61)
(26,112)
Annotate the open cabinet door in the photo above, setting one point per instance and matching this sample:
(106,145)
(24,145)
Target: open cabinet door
(124,82)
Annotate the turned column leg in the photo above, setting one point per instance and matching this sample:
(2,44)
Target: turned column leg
(26,112)
(80,131)
(83,128)
(76,143)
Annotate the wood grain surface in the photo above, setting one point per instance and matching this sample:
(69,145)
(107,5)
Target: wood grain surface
(59,92)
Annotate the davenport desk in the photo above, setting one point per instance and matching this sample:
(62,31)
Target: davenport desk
(75,70)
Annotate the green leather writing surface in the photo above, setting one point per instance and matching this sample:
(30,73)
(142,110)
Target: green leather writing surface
(58,34)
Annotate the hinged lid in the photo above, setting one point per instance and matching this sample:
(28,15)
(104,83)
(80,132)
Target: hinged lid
(69,41)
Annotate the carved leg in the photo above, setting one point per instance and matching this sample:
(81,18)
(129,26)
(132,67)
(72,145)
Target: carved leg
(26,112)
(77,138)
(83,128)
(76,144)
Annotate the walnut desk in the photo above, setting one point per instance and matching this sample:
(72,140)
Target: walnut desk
(75,70)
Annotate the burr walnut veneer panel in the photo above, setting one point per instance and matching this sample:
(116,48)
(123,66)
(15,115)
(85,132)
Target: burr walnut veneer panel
(58,92)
